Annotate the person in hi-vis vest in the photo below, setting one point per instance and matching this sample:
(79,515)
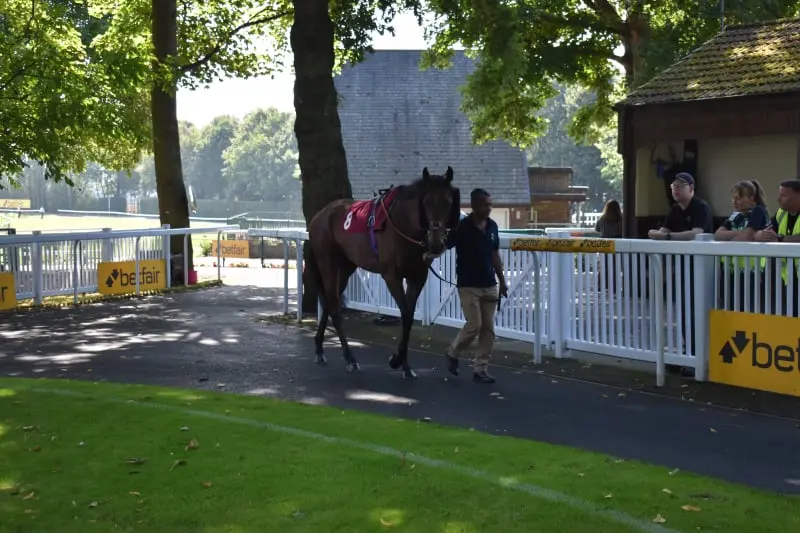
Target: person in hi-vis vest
(785,227)
(748,218)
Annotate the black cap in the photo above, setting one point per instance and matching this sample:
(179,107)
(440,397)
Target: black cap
(685,177)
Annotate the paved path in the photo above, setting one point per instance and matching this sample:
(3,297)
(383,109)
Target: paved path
(213,340)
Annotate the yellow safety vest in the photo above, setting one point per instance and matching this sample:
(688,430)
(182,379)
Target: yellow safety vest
(783,229)
(742,262)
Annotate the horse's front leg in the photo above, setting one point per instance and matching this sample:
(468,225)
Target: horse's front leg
(395,286)
(407,303)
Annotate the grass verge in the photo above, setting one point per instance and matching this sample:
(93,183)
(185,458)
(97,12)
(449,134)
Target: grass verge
(86,457)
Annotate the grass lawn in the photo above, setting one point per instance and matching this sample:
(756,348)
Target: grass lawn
(91,457)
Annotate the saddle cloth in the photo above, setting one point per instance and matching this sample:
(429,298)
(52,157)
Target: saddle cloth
(367,216)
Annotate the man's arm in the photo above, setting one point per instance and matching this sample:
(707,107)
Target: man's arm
(452,237)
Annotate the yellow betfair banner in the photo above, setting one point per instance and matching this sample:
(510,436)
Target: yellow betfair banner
(120,277)
(8,291)
(755,351)
(534,244)
(13,203)
(239,249)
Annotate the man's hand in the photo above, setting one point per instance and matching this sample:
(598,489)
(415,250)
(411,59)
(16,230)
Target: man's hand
(656,235)
(766,235)
(503,288)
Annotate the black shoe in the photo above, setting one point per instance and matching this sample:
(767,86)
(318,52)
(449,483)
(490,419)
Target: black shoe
(452,364)
(482,377)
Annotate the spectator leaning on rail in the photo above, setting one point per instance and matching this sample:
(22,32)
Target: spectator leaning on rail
(748,218)
(785,227)
(687,218)
(477,243)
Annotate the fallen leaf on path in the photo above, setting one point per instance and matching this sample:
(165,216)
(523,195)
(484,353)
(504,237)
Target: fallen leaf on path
(690,508)
(713,430)
(178,462)
(659,519)
(207,484)
(193,444)
(621,395)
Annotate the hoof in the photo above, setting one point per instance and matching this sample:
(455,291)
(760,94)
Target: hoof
(353,368)
(394,362)
(408,373)
(320,359)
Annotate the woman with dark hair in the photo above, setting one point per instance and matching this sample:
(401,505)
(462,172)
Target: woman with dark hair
(748,218)
(609,225)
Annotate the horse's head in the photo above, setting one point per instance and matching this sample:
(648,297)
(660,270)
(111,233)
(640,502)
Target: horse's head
(441,207)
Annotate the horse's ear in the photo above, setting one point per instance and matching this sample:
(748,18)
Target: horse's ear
(455,209)
(449,174)
(425,174)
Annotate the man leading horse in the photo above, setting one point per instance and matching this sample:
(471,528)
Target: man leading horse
(397,235)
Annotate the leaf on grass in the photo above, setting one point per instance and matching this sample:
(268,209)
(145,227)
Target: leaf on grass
(93,505)
(609,496)
(29,496)
(386,523)
(617,461)
(666,491)
(207,484)
(455,450)
(28,428)
(659,519)
(178,462)
(673,472)
(184,428)
(193,444)
(135,461)
(581,474)
(690,508)
(134,493)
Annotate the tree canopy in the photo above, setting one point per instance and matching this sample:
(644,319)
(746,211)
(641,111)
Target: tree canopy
(606,46)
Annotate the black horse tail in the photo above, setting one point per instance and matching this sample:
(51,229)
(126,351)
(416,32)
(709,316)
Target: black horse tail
(313,272)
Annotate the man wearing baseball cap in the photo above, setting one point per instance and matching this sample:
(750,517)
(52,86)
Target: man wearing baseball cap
(688,217)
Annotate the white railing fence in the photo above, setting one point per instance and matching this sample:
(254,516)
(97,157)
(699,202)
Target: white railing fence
(649,301)
(56,264)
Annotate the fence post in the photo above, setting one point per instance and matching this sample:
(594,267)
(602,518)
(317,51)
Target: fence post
(299,262)
(555,295)
(166,247)
(37,270)
(703,303)
(107,251)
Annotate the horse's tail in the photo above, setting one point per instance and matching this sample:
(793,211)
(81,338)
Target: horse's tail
(313,271)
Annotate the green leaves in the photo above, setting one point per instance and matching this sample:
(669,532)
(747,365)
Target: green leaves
(604,46)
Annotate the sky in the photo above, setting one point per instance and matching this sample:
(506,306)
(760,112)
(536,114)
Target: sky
(237,97)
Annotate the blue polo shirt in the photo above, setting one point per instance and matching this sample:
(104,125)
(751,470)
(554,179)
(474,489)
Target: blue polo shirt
(474,249)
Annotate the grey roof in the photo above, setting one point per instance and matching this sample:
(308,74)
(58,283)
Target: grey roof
(397,119)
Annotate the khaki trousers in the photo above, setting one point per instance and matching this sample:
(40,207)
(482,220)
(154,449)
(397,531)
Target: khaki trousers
(479,306)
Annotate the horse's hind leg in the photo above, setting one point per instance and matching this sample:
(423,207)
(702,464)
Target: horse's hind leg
(319,338)
(340,270)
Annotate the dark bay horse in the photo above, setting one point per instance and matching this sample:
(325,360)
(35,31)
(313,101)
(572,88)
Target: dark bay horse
(396,235)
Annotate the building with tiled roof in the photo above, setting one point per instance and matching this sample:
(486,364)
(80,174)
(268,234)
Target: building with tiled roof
(397,118)
(729,110)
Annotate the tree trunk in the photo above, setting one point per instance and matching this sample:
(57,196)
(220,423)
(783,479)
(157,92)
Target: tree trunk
(322,159)
(173,205)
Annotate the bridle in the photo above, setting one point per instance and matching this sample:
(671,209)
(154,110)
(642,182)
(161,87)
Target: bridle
(422,244)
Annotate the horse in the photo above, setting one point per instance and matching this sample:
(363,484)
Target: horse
(397,234)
